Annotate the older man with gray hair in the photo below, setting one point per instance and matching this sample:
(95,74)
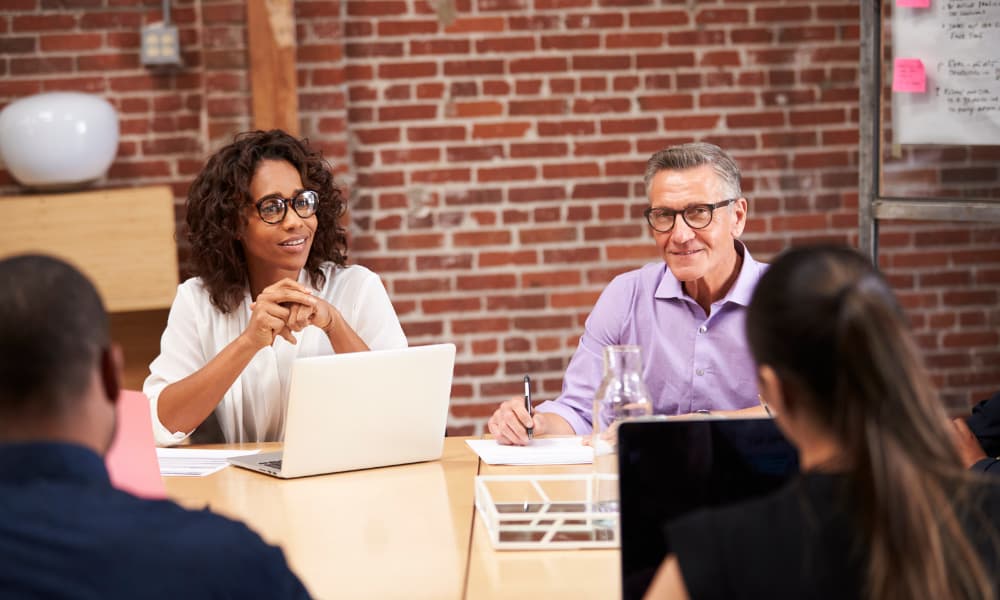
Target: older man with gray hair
(685,313)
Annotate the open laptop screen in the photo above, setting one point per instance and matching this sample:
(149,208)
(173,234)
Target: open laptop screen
(669,468)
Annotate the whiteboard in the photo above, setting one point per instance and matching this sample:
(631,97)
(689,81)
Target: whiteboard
(958,42)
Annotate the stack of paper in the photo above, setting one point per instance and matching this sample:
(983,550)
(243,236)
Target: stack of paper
(548,451)
(185,462)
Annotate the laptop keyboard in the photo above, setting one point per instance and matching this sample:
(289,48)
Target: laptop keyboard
(274,464)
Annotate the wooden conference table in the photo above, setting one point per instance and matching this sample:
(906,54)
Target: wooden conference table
(409,531)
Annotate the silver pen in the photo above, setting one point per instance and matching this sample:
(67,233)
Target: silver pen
(527,403)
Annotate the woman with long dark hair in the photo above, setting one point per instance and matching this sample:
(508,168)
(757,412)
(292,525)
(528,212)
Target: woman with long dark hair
(271,285)
(883,507)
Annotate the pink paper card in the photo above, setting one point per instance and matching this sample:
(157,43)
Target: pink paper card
(914,3)
(908,76)
(131,460)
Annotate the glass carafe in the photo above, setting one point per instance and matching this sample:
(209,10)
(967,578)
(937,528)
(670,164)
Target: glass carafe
(622,395)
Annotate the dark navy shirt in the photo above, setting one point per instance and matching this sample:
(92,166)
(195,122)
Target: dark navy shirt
(66,533)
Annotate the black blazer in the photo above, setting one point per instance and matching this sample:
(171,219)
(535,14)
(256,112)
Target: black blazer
(985,425)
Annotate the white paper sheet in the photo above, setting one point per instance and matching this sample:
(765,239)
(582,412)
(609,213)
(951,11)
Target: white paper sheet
(547,451)
(185,462)
(956,40)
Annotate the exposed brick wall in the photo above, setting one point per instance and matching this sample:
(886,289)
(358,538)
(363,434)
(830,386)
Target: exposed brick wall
(493,150)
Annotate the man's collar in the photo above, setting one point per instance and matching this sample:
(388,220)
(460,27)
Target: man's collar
(24,462)
(740,292)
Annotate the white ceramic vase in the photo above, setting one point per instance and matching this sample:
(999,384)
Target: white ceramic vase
(58,140)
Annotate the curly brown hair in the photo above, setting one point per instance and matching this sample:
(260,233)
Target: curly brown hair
(216,216)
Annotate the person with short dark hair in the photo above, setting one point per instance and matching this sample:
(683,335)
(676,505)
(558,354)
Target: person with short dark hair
(65,532)
(684,312)
(271,285)
(883,507)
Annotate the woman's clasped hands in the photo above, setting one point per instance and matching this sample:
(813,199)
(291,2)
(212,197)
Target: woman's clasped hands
(284,307)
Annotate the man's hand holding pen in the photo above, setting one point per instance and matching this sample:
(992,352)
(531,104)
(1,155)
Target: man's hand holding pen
(511,423)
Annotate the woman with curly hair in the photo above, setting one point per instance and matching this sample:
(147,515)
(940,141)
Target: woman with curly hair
(883,507)
(271,285)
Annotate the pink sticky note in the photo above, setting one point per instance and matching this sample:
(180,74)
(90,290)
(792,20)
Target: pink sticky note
(131,460)
(908,76)
(914,3)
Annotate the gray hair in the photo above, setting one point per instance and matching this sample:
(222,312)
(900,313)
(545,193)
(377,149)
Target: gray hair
(696,154)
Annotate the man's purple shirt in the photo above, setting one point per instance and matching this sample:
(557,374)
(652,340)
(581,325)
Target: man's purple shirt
(690,362)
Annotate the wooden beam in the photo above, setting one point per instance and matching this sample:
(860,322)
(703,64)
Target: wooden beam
(273,82)
(122,239)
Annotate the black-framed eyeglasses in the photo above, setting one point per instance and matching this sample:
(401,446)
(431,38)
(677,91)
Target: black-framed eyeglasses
(697,216)
(272,209)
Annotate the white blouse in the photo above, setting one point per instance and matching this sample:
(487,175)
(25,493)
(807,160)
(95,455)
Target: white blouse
(253,409)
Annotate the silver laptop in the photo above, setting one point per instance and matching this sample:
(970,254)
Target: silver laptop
(362,410)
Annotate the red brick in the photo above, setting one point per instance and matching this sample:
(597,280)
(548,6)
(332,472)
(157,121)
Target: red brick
(440,175)
(571,255)
(486,282)
(422,285)
(601,62)
(510,173)
(538,65)
(506,45)
(475,109)
(537,194)
(570,42)
(610,126)
(534,23)
(380,179)
(574,299)
(591,21)
(407,112)
(474,153)
(528,87)
(513,129)
(432,306)
(633,40)
(432,134)
(538,149)
(790,35)
(691,122)
(788,139)
(732,15)
(666,102)
(547,235)
(543,322)
(602,105)
(496,259)
(814,160)
(586,191)
(450,261)
(536,107)
(602,148)
(414,329)
(473,67)
(741,99)
(375,8)
(437,46)
(782,13)
(41,66)
(570,170)
(407,70)
(817,117)
(658,19)
(46,22)
(476,24)
(560,128)
(389,28)
(701,37)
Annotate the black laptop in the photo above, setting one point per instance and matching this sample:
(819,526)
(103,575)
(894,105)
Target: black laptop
(669,468)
